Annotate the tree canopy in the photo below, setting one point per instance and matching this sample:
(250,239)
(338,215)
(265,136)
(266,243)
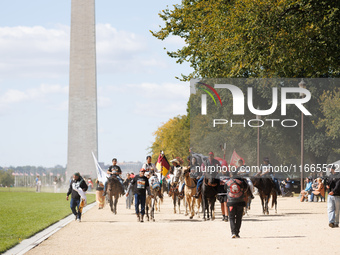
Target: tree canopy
(263,39)
(250,38)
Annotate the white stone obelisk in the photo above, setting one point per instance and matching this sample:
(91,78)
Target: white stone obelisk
(82,119)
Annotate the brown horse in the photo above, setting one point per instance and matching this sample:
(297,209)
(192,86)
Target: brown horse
(266,188)
(114,189)
(190,191)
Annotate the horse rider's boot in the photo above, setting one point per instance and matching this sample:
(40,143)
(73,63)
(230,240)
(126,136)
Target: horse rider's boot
(138,217)
(142,219)
(197,195)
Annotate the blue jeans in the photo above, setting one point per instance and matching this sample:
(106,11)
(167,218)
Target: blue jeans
(75,204)
(333,207)
(140,200)
(199,183)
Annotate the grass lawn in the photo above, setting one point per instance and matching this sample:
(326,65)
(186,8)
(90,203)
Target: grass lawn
(22,214)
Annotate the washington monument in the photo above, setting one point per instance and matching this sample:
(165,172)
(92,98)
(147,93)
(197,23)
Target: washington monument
(82,119)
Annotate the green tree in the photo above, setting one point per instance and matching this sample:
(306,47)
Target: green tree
(250,38)
(274,39)
(6,178)
(172,138)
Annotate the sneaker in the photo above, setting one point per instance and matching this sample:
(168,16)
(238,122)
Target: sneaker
(331,225)
(226,219)
(233,236)
(79,220)
(238,236)
(223,217)
(336,225)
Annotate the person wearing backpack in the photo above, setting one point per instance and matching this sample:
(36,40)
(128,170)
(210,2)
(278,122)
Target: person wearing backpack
(235,188)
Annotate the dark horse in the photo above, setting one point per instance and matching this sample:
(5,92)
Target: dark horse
(266,188)
(209,192)
(113,190)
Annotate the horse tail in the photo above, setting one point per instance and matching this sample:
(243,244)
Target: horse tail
(274,198)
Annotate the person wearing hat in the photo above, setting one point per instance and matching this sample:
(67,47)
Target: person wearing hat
(308,190)
(211,162)
(115,170)
(178,176)
(333,199)
(141,185)
(77,183)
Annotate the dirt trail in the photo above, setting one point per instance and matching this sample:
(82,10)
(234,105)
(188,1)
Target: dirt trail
(297,228)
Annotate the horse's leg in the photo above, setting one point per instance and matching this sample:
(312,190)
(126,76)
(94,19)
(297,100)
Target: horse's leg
(174,201)
(186,204)
(153,209)
(179,205)
(147,211)
(203,206)
(262,202)
(192,203)
(213,208)
(115,203)
(111,201)
(198,201)
(267,201)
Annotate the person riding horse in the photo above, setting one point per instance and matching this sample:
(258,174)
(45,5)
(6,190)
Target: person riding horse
(115,171)
(266,171)
(210,163)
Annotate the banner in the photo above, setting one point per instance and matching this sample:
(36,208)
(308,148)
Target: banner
(163,164)
(101,175)
(234,159)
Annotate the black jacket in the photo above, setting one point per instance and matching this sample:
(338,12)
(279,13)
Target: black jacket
(77,183)
(235,188)
(332,181)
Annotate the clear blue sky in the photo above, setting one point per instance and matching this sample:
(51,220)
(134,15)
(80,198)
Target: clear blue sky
(137,89)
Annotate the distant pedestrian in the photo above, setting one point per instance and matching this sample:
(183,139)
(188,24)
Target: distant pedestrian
(235,188)
(129,192)
(38,184)
(141,185)
(333,199)
(99,194)
(77,190)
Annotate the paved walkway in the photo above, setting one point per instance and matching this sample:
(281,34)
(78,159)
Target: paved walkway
(298,228)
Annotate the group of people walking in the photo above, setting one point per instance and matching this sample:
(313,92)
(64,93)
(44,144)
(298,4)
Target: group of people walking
(231,190)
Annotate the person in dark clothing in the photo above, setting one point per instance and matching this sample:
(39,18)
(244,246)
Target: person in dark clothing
(333,199)
(266,171)
(235,188)
(141,185)
(77,183)
(222,194)
(116,171)
(211,162)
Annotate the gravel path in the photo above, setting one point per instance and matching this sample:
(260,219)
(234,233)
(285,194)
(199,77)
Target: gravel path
(297,228)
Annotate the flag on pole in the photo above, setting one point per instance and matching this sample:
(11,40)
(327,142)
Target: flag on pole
(101,175)
(163,164)
(235,158)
